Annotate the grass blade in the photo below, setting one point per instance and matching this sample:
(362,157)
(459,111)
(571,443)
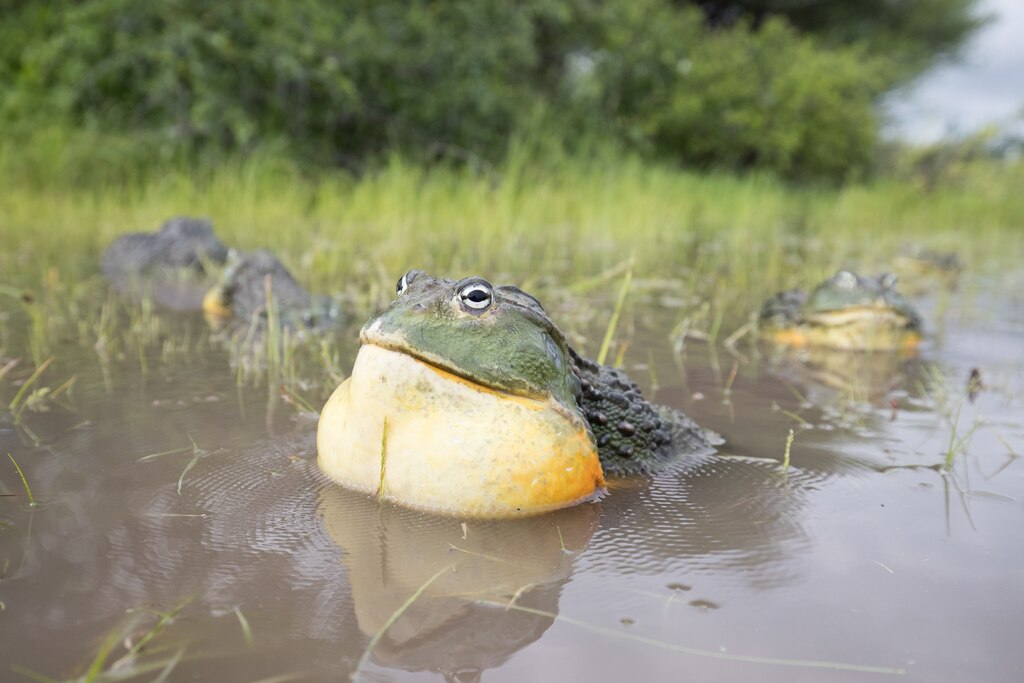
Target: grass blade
(16,402)
(24,482)
(614,321)
(34,675)
(711,654)
(789,445)
(393,618)
(246,629)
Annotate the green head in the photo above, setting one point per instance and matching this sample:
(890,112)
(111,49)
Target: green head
(846,291)
(496,337)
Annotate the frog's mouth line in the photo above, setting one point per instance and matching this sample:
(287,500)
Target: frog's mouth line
(444,369)
(859,315)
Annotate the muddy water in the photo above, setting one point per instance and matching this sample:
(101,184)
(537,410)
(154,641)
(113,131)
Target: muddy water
(864,561)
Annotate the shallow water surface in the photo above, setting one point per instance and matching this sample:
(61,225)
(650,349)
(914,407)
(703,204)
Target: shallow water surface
(183,530)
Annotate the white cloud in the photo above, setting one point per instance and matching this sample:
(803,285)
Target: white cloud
(986,86)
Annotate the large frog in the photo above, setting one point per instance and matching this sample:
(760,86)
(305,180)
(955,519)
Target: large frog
(466,399)
(847,311)
(252,279)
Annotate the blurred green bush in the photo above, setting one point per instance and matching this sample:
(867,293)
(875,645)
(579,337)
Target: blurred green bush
(338,83)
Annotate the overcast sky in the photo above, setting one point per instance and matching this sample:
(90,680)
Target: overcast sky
(985,86)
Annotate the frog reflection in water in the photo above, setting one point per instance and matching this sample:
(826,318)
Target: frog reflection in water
(485,589)
(847,311)
(465,399)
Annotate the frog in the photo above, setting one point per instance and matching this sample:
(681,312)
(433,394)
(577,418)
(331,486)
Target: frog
(466,399)
(174,265)
(240,297)
(926,270)
(847,311)
(917,259)
(181,242)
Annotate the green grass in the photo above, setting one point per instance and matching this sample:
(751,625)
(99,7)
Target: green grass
(559,228)
(141,654)
(17,404)
(24,481)
(726,236)
(789,446)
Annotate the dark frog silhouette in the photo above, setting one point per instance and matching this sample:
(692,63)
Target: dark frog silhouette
(465,399)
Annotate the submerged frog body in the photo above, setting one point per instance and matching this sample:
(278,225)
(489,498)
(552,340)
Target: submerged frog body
(252,280)
(171,265)
(466,399)
(847,311)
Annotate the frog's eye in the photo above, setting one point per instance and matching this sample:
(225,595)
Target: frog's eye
(476,296)
(404,281)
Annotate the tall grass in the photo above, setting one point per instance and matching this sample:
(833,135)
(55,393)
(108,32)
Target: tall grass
(541,223)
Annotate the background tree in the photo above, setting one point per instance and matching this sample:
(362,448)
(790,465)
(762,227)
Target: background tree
(911,35)
(784,85)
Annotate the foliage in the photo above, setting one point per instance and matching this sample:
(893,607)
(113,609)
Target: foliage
(340,83)
(349,77)
(768,98)
(954,162)
(908,35)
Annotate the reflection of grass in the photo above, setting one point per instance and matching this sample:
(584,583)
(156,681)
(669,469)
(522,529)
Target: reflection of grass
(791,415)
(392,619)
(711,654)
(958,443)
(197,454)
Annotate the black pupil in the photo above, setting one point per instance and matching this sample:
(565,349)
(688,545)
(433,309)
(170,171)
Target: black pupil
(400,285)
(477,295)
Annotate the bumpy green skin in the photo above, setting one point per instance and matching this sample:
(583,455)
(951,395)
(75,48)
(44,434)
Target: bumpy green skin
(632,435)
(512,345)
(243,289)
(844,290)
